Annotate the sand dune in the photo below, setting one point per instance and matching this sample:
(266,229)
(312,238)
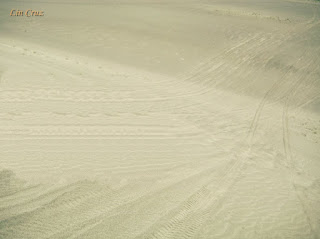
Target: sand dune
(160,119)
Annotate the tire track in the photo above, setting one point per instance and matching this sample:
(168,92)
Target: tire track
(277,84)
(98,220)
(208,68)
(173,226)
(176,224)
(210,193)
(288,153)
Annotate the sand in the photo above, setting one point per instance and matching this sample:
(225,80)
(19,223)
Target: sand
(160,119)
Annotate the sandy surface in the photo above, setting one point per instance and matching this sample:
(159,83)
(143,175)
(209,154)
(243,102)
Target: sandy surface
(160,119)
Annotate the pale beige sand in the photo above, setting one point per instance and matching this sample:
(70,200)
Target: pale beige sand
(160,119)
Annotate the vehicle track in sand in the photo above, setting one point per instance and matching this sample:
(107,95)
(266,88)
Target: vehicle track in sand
(312,23)
(245,48)
(206,196)
(176,225)
(306,208)
(244,53)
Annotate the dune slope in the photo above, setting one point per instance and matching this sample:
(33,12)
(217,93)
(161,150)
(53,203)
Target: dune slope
(160,119)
